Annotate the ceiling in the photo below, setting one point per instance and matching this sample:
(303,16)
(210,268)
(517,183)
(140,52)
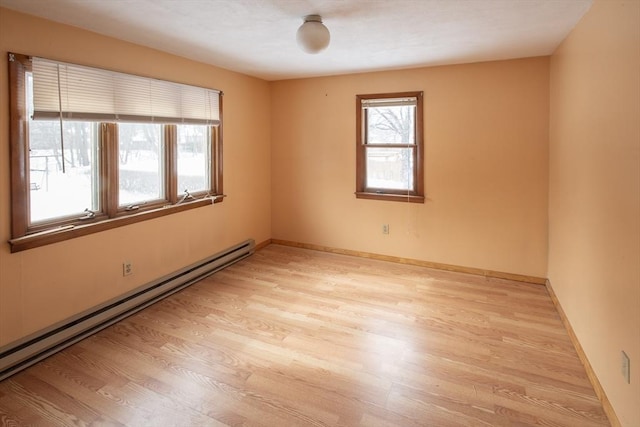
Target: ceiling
(257,37)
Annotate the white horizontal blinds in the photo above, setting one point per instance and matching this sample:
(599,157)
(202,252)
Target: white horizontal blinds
(389,102)
(197,102)
(75,92)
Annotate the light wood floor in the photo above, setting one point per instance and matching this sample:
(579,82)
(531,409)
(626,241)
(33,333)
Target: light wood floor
(292,337)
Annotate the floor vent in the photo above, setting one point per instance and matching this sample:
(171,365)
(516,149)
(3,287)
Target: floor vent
(23,353)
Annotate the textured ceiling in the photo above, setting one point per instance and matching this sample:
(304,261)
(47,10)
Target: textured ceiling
(257,37)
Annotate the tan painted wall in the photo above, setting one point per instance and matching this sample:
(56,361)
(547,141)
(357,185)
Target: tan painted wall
(45,285)
(486,157)
(594,202)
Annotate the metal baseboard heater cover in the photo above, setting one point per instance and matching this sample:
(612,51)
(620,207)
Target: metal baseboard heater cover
(25,352)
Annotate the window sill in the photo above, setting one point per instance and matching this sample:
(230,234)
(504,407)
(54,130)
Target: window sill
(67,232)
(390,197)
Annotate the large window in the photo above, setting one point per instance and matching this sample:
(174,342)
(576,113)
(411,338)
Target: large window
(93,149)
(389,147)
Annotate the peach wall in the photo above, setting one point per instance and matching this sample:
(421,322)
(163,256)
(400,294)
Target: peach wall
(42,286)
(486,166)
(594,198)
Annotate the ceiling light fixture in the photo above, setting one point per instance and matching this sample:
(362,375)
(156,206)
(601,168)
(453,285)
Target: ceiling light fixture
(313,36)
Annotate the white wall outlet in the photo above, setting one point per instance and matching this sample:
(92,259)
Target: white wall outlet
(127,268)
(385,228)
(625,367)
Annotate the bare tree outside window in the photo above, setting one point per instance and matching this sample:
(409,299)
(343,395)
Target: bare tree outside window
(390,167)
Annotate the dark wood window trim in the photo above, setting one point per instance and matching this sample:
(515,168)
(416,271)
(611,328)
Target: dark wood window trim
(18,67)
(26,236)
(362,191)
(66,232)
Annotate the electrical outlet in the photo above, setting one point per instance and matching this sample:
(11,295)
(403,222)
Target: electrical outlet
(625,367)
(385,228)
(127,268)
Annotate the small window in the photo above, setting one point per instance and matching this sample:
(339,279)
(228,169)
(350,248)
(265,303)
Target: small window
(389,147)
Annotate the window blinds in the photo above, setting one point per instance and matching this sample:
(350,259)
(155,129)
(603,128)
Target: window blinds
(388,102)
(74,92)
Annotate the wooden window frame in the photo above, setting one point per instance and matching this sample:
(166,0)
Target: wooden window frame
(362,191)
(27,236)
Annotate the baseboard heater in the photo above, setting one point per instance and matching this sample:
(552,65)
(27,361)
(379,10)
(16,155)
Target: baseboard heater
(21,354)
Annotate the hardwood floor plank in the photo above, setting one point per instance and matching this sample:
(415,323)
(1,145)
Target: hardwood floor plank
(294,337)
(168,380)
(50,405)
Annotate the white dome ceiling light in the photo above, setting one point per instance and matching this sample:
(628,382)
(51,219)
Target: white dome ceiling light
(313,36)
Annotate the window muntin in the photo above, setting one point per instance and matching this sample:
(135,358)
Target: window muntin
(389,147)
(90,188)
(390,124)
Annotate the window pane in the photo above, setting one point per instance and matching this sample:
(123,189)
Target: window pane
(54,193)
(391,125)
(141,160)
(389,168)
(193,158)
